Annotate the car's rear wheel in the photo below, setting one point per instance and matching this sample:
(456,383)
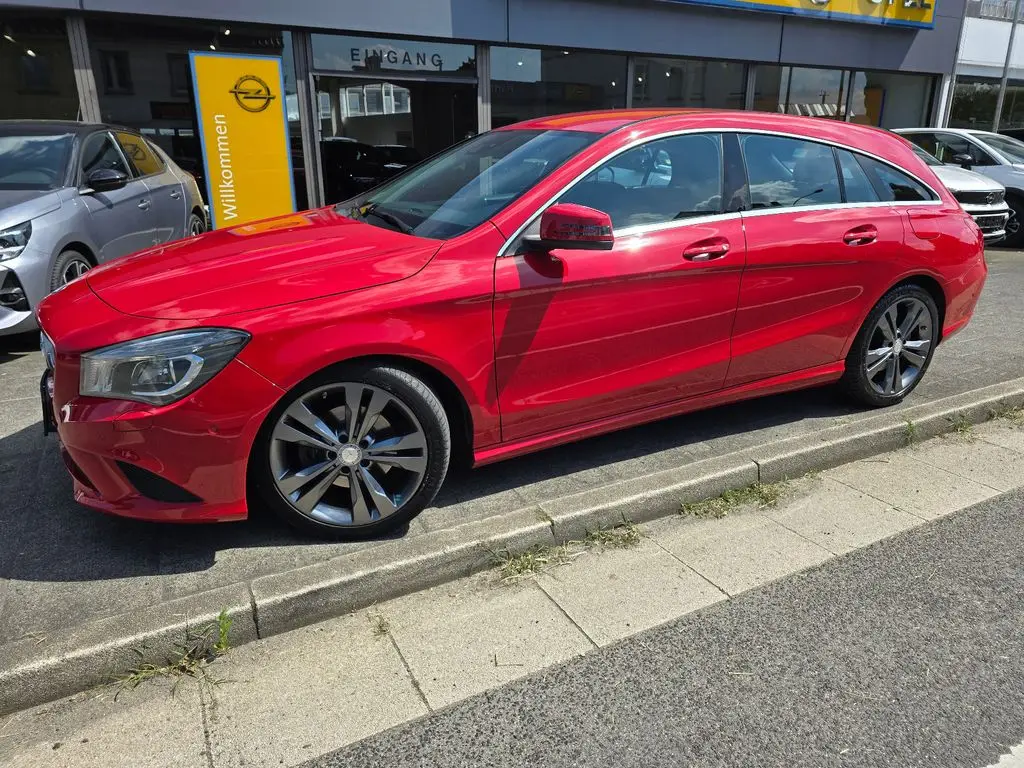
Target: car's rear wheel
(196,225)
(70,265)
(894,347)
(353,453)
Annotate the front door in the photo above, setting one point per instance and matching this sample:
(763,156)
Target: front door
(120,220)
(815,248)
(586,335)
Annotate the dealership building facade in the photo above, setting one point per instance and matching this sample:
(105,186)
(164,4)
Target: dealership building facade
(418,75)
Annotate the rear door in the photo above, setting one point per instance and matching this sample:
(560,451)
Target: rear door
(169,211)
(119,221)
(818,244)
(586,335)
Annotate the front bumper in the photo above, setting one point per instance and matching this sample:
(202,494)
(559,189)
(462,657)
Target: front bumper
(991,219)
(185,462)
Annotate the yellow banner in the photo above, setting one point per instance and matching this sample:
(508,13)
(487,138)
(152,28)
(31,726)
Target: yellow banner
(243,127)
(907,13)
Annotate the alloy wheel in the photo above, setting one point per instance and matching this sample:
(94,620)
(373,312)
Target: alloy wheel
(195,226)
(73,270)
(899,346)
(348,454)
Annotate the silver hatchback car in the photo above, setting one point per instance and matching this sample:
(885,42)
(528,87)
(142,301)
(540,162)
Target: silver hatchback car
(74,195)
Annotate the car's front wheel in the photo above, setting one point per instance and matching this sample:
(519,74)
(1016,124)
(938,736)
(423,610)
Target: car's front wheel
(70,265)
(894,347)
(353,453)
(196,225)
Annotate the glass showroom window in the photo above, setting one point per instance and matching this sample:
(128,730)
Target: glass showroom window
(801,91)
(37,79)
(974,103)
(528,82)
(890,100)
(144,82)
(688,83)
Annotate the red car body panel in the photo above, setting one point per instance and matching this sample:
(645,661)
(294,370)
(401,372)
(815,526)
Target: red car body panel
(540,349)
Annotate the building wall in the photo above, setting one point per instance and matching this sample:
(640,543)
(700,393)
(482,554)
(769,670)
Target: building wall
(983,49)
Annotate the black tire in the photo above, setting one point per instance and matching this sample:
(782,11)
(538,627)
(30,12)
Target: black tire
(1015,226)
(413,394)
(67,262)
(196,225)
(856,382)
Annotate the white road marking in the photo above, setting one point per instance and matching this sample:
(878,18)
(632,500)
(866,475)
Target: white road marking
(1012,759)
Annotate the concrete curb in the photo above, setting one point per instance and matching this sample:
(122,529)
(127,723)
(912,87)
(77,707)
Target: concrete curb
(94,653)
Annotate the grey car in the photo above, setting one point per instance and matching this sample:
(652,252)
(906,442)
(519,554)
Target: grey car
(74,195)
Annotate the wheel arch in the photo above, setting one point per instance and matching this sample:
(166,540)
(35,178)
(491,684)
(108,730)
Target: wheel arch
(924,281)
(82,248)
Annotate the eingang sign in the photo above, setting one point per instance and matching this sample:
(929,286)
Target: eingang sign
(243,129)
(907,13)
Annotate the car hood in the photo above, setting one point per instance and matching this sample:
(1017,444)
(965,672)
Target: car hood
(962,180)
(268,263)
(20,205)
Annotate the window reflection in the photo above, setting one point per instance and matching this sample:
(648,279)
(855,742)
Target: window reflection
(801,91)
(37,80)
(685,83)
(891,100)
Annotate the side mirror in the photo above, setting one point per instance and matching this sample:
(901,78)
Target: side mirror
(573,227)
(963,160)
(106,179)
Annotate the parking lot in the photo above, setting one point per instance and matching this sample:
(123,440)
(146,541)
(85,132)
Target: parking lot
(62,565)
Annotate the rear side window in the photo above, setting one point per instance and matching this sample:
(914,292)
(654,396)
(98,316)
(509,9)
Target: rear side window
(786,172)
(893,185)
(665,180)
(140,154)
(858,186)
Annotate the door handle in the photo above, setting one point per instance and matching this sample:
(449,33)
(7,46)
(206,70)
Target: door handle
(144,204)
(706,250)
(861,235)
(175,194)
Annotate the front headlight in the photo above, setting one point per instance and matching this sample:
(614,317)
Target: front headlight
(159,369)
(14,240)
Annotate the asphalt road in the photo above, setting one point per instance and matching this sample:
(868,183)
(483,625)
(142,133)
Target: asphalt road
(908,653)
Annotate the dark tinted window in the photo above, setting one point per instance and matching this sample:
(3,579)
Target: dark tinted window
(664,180)
(855,180)
(946,145)
(786,172)
(33,162)
(893,185)
(99,151)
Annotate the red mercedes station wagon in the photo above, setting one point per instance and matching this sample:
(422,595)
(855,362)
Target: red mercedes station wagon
(533,285)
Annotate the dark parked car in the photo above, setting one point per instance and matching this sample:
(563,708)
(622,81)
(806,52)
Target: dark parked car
(351,167)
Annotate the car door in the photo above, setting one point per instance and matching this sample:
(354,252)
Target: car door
(586,335)
(118,221)
(816,246)
(169,206)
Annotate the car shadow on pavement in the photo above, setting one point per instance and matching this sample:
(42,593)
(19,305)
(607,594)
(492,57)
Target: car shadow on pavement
(48,537)
(17,345)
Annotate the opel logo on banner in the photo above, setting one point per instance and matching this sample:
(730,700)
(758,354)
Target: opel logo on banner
(253,94)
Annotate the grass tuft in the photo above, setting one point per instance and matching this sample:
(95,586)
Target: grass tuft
(619,537)
(758,494)
(911,432)
(379,625)
(516,567)
(1012,414)
(190,658)
(962,427)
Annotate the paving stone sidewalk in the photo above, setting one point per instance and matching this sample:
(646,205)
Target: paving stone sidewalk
(297,695)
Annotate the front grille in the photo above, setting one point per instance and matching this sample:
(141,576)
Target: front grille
(12,295)
(155,487)
(993,197)
(995,222)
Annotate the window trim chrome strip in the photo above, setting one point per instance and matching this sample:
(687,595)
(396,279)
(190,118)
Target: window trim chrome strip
(643,228)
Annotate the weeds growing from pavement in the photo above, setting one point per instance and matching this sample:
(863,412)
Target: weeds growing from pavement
(516,567)
(758,494)
(379,625)
(1014,415)
(191,656)
(911,432)
(961,427)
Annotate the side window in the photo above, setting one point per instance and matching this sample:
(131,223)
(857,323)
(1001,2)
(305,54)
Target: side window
(143,158)
(926,141)
(949,144)
(789,172)
(856,183)
(893,185)
(100,151)
(674,178)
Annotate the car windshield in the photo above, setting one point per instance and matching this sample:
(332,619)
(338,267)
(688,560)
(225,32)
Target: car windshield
(1011,149)
(928,157)
(33,161)
(463,187)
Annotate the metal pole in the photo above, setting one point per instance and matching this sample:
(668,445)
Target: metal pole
(1006,68)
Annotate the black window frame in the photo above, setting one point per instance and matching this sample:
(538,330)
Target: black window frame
(117,145)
